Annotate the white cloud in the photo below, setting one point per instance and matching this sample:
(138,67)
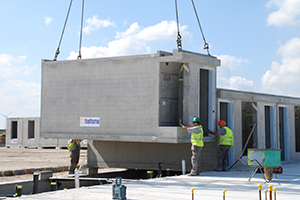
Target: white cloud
(166,30)
(283,78)
(288,13)
(48,20)
(17,95)
(236,83)
(23,98)
(9,66)
(94,23)
(227,74)
(229,65)
(133,40)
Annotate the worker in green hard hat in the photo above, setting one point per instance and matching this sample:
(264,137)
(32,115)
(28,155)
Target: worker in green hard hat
(196,132)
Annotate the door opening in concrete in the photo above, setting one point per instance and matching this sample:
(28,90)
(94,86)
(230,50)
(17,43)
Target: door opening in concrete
(225,113)
(297,128)
(267,127)
(206,99)
(14,129)
(171,94)
(283,133)
(270,129)
(30,129)
(249,117)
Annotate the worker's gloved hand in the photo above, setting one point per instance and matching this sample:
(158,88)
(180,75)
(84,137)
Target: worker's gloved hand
(209,131)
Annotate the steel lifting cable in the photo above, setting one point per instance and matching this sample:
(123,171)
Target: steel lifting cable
(178,33)
(206,45)
(57,51)
(79,54)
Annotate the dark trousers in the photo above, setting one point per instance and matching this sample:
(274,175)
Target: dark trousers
(195,160)
(222,157)
(74,159)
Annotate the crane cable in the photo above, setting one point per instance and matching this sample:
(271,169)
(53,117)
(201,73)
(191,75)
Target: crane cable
(79,52)
(178,33)
(57,51)
(206,45)
(179,46)
(63,31)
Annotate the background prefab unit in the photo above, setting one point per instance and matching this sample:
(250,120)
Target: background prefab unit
(24,132)
(129,107)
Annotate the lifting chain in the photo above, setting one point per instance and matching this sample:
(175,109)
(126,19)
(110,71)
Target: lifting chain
(79,52)
(179,46)
(63,31)
(178,34)
(206,45)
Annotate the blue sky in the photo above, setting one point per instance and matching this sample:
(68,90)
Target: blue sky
(258,42)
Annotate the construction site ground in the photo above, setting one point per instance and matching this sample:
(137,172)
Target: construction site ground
(20,163)
(208,185)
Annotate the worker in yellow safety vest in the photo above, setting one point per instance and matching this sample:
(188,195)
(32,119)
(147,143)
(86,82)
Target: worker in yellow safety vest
(197,145)
(225,136)
(74,149)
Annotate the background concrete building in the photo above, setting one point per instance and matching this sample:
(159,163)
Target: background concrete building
(277,119)
(25,133)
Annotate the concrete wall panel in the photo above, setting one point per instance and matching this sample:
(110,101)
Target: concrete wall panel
(134,155)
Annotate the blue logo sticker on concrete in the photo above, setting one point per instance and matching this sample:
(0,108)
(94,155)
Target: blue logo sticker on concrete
(89,121)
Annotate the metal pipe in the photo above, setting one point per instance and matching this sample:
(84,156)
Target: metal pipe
(18,190)
(77,178)
(259,191)
(270,191)
(266,196)
(168,172)
(53,186)
(192,189)
(224,194)
(35,183)
(183,167)
(149,174)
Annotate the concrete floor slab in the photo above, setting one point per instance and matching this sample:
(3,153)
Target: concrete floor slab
(208,185)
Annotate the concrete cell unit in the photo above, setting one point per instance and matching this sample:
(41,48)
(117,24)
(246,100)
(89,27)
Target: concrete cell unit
(25,133)
(22,132)
(129,107)
(277,119)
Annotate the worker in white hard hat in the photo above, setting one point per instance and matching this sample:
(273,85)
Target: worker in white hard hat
(74,149)
(197,144)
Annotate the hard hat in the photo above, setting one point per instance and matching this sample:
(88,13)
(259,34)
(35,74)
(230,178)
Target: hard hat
(196,119)
(221,122)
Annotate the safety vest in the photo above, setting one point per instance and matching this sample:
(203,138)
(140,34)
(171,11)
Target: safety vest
(226,139)
(71,144)
(197,137)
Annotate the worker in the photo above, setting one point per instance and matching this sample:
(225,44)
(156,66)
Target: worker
(225,136)
(197,145)
(74,149)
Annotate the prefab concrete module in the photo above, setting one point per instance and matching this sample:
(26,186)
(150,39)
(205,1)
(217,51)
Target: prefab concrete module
(129,107)
(25,133)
